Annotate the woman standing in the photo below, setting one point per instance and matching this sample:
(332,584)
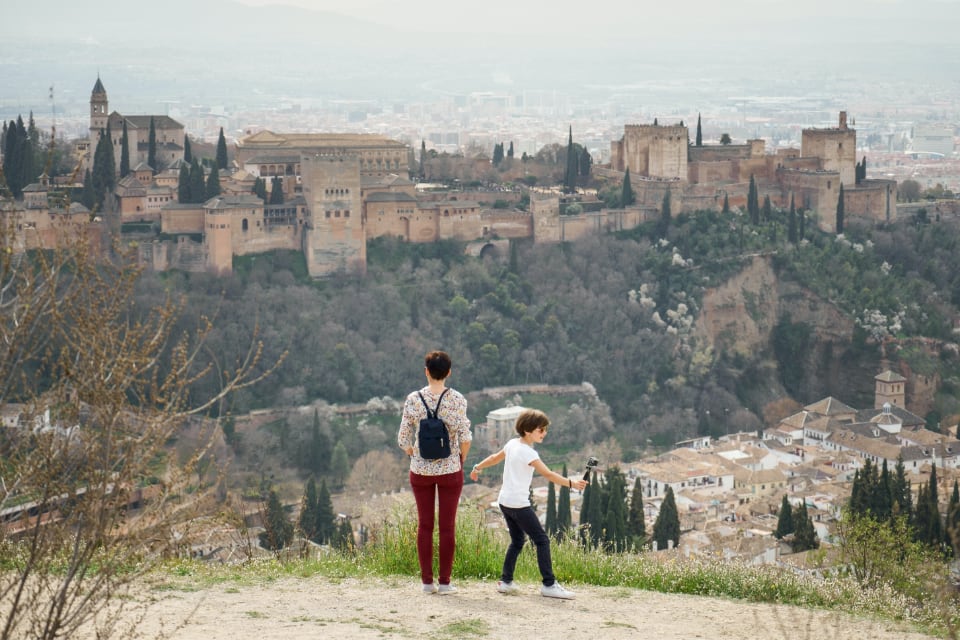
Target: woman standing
(437,480)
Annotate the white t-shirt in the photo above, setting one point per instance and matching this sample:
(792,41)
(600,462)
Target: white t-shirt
(517,474)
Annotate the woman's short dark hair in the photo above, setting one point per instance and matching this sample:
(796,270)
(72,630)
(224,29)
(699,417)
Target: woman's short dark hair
(530,420)
(438,364)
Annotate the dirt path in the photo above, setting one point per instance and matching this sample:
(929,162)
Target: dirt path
(395,608)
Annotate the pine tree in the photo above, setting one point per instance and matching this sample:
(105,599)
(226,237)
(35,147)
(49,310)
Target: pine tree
(124,152)
(213,183)
(183,185)
(222,161)
(326,518)
(187,151)
(785,524)
(278,532)
(308,511)
(340,464)
(276,190)
(152,146)
(667,525)
(627,197)
(699,133)
(840,212)
(564,516)
(551,520)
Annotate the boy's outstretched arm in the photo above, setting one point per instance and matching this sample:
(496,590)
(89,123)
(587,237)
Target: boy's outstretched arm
(489,461)
(556,478)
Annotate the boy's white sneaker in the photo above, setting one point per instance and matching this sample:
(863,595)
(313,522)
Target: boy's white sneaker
(556,591)
(507,587)
(446,589)
(430,588)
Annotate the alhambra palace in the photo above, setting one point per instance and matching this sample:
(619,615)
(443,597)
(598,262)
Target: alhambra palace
(342,189)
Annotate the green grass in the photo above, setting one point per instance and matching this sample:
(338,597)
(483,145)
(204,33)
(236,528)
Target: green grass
(392,552)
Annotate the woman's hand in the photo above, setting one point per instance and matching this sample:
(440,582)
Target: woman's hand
(474,474)
(579,485)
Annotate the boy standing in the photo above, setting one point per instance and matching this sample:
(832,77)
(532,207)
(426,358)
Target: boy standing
(520,461)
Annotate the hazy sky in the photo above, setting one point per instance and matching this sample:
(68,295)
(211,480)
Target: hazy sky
(592,17)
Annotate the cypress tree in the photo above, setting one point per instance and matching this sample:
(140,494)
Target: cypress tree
(935,536)
(326,518)
(882,500)
(586,162)
(785,525)
(636,525)
(767,209)
(187,151)
(152,146)
(595,515)
(497,153)
(183,185)
(665,214)
(343,539)
(551,521)
(124,152)
(198,184)
(308,511)
(792,223)
(278,532)
(802,227)
(753,202)
(804,536)
(260,189)
(901,497)
(423,161)
(667,525)
(953,518)
(222,160)
(340,464)
(276,190)
(12,160)
(510,150)
(103,167)
(570,176)
(699,132)
(840,212)
(564,516)
(627,197)
(726,203)
(615,522)
(28,152)
(88,197)
(585,524)
(213,183)
(318,451)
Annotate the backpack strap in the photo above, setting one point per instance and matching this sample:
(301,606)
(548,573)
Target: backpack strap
(432,414)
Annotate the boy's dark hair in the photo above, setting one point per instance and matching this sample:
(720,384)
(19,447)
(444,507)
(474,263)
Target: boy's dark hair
(438,364)
(531,420)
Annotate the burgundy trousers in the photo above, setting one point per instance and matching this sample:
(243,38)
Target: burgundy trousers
(428,491)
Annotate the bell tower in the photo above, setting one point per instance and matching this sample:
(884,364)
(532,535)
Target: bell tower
(99,112)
